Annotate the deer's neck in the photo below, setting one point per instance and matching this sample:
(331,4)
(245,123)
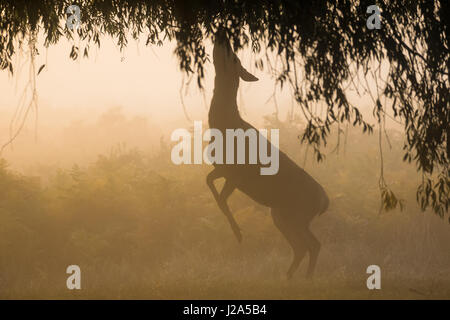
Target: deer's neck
(224,110)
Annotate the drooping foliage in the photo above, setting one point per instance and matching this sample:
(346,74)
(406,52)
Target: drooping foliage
(323,49)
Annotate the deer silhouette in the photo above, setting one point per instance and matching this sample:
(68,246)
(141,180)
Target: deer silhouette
(292,194)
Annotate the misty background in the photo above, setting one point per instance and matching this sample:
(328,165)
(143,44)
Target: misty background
(90,182)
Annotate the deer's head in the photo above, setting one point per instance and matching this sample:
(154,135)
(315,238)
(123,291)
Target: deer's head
(227,65)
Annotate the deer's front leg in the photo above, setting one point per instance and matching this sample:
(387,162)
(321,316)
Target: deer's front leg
(221,200)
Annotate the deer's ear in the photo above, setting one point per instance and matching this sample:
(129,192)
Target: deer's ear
(247,76)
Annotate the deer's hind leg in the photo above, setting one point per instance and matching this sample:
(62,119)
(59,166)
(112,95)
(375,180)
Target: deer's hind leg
(222,198)
(285,222)
(314,249)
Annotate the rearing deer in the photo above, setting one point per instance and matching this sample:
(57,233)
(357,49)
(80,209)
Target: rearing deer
(292,194)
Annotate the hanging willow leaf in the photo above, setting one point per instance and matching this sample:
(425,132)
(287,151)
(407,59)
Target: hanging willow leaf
(40,69)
